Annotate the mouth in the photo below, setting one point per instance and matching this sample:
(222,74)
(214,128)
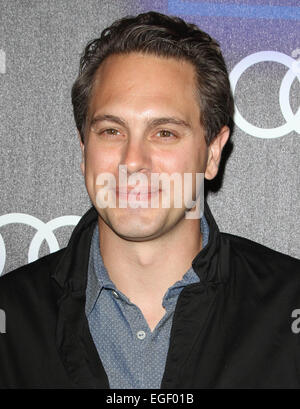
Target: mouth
(141,194)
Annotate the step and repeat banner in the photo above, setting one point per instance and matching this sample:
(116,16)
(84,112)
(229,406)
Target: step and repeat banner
(43,195)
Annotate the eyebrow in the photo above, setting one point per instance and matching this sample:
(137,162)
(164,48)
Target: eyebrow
(151,123)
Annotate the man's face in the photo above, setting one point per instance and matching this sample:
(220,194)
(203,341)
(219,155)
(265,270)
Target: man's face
(144,114)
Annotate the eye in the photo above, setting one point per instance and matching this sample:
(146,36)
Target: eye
(165,134)
(111,132)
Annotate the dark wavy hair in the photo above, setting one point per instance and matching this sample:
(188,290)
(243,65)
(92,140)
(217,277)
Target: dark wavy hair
(165,36)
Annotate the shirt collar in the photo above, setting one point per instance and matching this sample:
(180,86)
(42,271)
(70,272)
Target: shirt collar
(98,276)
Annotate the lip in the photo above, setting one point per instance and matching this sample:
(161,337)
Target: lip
(141,190)
(139,196)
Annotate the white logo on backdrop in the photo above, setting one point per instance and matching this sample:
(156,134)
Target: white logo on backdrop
(292,120)
(44,232)
(296,63)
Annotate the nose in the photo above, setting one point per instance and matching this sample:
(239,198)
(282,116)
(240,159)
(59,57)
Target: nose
(136,156)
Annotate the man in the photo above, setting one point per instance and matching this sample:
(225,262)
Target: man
(146,297)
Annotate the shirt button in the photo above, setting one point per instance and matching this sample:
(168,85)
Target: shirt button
(115,294)
(141,334)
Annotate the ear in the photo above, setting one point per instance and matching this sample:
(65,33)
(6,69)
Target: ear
(215,151)
(82,164)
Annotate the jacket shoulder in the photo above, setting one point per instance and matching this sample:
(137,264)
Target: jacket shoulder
(31,275)
(260,258)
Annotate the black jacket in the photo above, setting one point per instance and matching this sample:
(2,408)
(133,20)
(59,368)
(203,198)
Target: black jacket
(231,330)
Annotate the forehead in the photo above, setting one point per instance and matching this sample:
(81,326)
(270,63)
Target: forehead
(143,79)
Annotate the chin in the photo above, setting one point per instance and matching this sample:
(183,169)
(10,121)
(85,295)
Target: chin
(136,233)
(135,224)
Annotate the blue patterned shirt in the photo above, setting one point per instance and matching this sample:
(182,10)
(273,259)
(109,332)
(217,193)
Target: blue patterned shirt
(133,356)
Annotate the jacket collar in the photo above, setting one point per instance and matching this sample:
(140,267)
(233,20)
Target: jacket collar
(212,263)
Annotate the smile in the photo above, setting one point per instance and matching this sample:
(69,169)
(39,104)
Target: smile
(128,194)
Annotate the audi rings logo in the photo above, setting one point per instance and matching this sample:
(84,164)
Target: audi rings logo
(45,231)
(292,120)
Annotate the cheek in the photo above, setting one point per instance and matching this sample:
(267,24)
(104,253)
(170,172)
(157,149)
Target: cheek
(168,162)
(180,162)
(99,160)
(194,160)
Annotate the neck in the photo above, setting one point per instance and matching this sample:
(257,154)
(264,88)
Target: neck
(145,270)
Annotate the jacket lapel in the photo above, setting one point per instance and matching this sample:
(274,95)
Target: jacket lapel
(74,342)
(197,316)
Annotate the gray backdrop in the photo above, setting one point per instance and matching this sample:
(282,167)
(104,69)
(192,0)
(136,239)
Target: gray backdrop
(41,41)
